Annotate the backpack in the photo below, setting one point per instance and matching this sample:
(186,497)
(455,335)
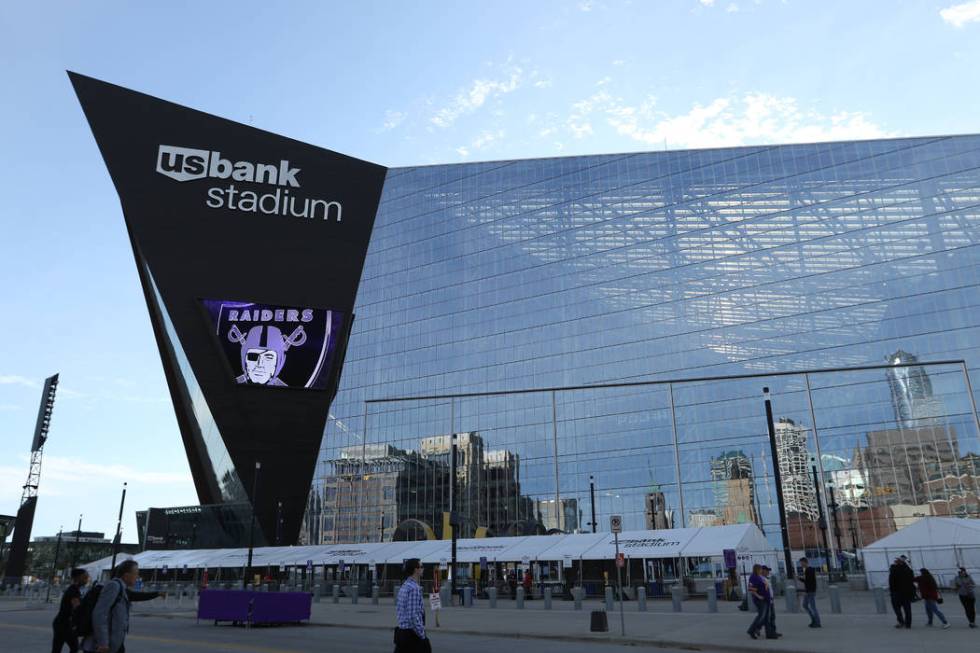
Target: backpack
(81,617)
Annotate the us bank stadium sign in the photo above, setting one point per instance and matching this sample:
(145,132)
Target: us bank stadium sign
(185,164)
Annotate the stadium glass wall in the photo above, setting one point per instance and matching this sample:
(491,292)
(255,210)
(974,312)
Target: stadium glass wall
(668,265)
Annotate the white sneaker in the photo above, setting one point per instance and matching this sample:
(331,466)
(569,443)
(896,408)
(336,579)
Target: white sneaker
(945,625)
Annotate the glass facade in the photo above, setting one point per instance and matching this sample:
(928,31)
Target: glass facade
(550,273)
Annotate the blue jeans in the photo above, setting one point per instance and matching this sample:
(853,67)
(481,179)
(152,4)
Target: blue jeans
(762,617)
(810,605)
(932,608)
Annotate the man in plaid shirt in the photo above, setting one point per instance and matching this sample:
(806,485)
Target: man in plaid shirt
(410,631)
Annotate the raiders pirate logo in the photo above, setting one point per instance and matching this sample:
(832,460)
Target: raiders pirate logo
(276,345)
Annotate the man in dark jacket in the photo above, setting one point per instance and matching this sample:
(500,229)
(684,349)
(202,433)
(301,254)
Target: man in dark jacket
(63,633)
(901,586)
(810,592)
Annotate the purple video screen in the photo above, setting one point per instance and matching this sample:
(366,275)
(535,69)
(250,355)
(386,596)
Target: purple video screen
(276,345)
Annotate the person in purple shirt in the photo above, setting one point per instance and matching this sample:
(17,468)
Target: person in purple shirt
(410,631)
(758,590)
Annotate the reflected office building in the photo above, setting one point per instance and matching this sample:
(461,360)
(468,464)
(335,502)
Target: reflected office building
(486,278)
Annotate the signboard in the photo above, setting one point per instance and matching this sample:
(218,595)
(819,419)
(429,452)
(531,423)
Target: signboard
(526,561)
(443,563)
(616,524)
(621,560)
(435,601)
(309,565)
(567,561)
(730,558)
(282,567)
(275,345)
(165,569)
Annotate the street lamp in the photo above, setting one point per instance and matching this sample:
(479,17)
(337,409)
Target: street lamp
(833,511)
(592,499)
(779,486)
(251,524)
(822,523)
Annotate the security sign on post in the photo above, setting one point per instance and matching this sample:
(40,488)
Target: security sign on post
(616,524)
(620,559)
(567,561)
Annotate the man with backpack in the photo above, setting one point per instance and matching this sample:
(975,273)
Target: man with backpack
(70,600)
(103,618)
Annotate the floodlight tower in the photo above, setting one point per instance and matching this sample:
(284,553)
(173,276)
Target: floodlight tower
(28,500)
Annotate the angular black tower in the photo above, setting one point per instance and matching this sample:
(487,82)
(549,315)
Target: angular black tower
(249,247)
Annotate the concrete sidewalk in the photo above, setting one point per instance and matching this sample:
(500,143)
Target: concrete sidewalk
(861,629)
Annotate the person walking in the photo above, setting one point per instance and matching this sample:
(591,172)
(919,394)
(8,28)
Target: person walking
(930,596)
(966,589)
(110,616)
(756,588)
(771,632)
(527,583)
(410,634)
(901,588)
(810,592)
(70,599)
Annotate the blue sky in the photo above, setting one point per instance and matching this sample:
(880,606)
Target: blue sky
(399,84)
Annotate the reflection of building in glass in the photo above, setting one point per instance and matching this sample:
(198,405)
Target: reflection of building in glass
(799,495)
(223,525)
(380,492)
(916,472)
(912,394)
(734,488)
(658,516)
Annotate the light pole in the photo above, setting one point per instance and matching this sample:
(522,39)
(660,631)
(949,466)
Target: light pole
(822,523)
(118,538)
(833,511)
(381,528)
(54,565)
(78,536)
(592,499)
(453,521)
(779,486)
(279,523)
(251,524)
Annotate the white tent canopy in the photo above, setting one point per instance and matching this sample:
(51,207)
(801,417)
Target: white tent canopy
(940,544)
(679,542)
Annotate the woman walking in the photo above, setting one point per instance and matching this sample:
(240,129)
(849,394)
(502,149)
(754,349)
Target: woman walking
(930,596)
(966,589)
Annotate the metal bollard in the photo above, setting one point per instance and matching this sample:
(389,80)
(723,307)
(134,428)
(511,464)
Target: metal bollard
(492,596)
(520,598)
(879,594)
(445,596)
(641,599)
(316,593)
(180,596)
(336,593)
(547,598)
(375,594)
(791,604)
(676,597)
(353,594)
(398,587)
(609,598)
(712,600)
(467,597)
(834,599)
(577,593)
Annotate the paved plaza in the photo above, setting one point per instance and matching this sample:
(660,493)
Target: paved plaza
(160,626)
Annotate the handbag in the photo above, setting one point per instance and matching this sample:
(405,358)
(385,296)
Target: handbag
(940,599)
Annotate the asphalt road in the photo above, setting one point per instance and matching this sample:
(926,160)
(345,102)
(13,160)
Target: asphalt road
(26,631)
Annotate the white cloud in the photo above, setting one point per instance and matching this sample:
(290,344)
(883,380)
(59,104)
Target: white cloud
(586,5)
(723,122)
(392,120)
(732,8)
(618,62)
(707,3)
(463,151)
(14,379)
(471,98)
(961,14)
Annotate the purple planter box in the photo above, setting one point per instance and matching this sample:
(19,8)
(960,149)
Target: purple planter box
(254,607)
